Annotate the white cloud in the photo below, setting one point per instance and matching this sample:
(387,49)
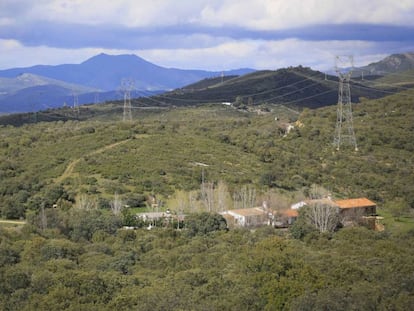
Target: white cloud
(258,14)
(282,14)
(14,54)
(131,13)
(8,45)
(4,21)
(232,54)
(262,54)
(213,51)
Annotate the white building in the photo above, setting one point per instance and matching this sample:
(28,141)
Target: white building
(246,217)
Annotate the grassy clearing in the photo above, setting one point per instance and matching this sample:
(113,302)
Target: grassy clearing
(393,225)
(11,223)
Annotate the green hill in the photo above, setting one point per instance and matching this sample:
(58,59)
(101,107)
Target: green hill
(207,83)
(99,156)
(296,86)
(73,253)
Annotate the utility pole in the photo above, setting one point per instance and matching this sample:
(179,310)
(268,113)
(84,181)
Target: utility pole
(344,130)
(127,85)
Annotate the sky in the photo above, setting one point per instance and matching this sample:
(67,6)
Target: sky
(205,34)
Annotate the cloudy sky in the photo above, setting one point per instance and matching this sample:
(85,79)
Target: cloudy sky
(205,34)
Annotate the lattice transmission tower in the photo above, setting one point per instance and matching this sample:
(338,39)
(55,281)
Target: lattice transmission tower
(127,85)
(344,130)
(76,104)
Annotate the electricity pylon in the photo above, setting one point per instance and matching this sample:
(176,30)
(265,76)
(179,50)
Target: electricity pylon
(344,130)
(76,104)
(127,85)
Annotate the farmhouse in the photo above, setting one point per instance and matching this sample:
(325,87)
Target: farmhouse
(359,211)
(285,218)
(246,217)
(153,216)
(351,211)
(363,206)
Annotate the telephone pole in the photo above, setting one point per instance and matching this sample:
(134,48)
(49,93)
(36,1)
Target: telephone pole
(344,130)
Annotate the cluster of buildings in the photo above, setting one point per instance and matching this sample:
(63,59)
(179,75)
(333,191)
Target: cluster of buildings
(360,211)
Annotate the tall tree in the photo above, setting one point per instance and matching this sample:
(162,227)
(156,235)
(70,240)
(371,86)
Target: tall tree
(245,198)
(322,215)
(116,205)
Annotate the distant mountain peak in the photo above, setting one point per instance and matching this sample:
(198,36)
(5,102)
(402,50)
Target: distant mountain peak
(101,72)
(107,57)
(391,64)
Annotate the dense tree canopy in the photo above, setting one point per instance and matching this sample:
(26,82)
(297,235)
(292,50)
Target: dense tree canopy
(165,269)
(73,254)
(159,154)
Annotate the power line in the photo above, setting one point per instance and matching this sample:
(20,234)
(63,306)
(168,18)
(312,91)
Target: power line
(293,92)
(312,77)
(382,90)
(312,96)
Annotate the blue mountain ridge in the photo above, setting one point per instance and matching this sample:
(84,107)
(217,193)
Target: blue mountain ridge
(102,73)
(105,72)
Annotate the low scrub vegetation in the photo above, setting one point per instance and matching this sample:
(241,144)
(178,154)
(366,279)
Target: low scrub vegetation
(78,182)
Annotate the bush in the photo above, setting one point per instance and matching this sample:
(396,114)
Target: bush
(204,223)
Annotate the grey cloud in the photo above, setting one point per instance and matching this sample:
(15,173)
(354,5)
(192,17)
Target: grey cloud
(188,36)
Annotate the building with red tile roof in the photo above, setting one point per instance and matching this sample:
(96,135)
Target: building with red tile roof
(355,203)
(354,210)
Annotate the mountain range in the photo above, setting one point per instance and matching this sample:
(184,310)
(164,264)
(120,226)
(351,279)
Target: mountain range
(99,78)
(100,74)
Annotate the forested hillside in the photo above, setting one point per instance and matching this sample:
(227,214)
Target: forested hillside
(156,154)
(65,178)
(356,269)
(294,86)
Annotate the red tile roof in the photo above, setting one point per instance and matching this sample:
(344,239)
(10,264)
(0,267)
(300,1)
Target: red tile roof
(355,203)
(290,213)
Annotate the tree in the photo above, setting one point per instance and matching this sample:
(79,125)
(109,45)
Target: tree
(84,223)
(301,227)
(250,101)
(239,101)
(86,202)
(245,198)
(317,192)
(116,205)
(398,208)
(215,197)
(207,193)
(53,194)
(11,210)
(203,223)
(223,196)
(128,219)
(322,215)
